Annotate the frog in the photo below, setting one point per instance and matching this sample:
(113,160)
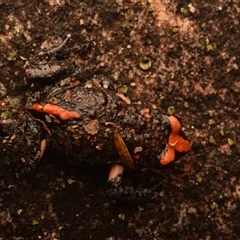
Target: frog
(90,124)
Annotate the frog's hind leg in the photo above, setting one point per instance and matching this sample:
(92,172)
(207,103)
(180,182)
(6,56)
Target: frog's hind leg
(61,51)
(128,194)
(56,50)
(24,143)
(80,50)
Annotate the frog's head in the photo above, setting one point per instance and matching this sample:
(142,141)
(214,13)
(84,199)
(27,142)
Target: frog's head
(177,144)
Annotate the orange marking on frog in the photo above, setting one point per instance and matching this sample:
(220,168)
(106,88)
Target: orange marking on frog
(55,111)
(175,142)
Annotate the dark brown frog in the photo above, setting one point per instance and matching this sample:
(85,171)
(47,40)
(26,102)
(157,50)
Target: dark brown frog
(91,125)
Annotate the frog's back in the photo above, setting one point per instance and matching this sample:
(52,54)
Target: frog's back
(95,114)
(89,136)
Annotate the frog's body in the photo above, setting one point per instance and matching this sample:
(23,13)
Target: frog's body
(94,126)
(95,115)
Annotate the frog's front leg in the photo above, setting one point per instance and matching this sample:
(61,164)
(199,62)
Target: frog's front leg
(46,67)
(45,56)
(51,71)
(128,194)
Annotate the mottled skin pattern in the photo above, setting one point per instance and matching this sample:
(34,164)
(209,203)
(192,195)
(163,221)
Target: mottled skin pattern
(69,138)
(104,107)
(22,142)
(85,134)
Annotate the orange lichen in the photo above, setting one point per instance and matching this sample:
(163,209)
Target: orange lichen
(55,111)
(175,142)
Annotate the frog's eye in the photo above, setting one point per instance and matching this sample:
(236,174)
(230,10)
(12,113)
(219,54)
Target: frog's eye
(177,143)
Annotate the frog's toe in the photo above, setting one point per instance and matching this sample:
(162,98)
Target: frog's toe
(152,194)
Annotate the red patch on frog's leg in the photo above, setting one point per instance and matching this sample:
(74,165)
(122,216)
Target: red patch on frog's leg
(169,156)
(182,145)
(175,142)
(55,111)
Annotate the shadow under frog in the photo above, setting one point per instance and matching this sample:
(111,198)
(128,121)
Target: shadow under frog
(92,125)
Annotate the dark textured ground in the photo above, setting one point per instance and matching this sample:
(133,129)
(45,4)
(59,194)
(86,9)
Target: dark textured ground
(195,51)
